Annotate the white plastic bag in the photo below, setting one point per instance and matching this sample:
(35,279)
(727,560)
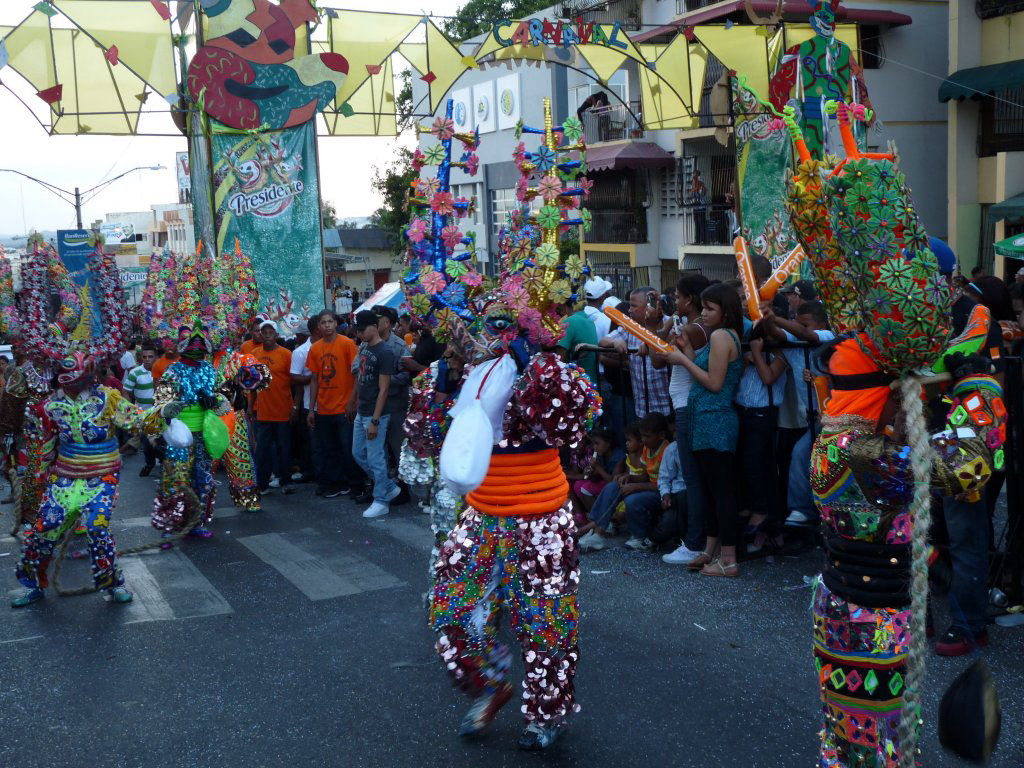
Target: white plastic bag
(177,434)
(476,424)
(466,452)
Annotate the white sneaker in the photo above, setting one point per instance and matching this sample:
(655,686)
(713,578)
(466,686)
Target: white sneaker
(798,518)
(591,541)
(641,545)
(395,493)
(274,482)
(681,556)
(377,509)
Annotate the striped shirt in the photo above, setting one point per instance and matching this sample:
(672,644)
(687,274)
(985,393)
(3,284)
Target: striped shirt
(139,382)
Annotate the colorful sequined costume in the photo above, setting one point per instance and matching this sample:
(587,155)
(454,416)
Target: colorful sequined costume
(857,223)
(26,385)
(190,388)
(425,425)
(74,441)
(242,374)
(514,549)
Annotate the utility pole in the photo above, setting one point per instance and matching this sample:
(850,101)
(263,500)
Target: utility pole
(78,207)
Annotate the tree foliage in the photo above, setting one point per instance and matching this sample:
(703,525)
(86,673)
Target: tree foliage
(328,215)
(393,182)
(477,16)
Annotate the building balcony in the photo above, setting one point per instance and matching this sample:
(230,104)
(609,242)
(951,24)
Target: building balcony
(625,12)
(685,6)
(611,226)
(611,123)
(990,9)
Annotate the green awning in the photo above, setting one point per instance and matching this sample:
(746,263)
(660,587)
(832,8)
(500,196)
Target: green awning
(976,82)
(1011,246)
(1011,208)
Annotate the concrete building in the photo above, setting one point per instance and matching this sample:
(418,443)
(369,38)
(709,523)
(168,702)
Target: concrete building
(644,229)
(362,259)
(172,227)
(985,150)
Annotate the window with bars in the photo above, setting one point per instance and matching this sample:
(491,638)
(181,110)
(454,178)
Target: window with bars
(1001,128)
(671,193)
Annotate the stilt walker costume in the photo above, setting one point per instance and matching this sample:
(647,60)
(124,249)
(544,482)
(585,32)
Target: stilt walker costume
(71,437)
(513,548)
(207,303)
(871,475)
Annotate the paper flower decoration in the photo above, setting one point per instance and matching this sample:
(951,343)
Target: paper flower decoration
(519,154)
(442,203)
(572,130)
(421,187)
(443,128)
(549,188)
(417,230)
(432,281)
(522,188)
(588,219)
(434,156)
(586,185)
(454,294)
(455,268)
(472,279)
(549,216)
(546,255)
(452,236)
(521,250)
(418,161)
(516,297)
(420,304)
(472,164)
(574,266)
(560,291)
(544,158)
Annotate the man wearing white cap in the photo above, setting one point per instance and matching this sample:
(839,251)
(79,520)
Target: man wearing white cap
(596,289)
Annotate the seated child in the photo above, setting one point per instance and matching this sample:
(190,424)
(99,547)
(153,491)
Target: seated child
(586,485)
(642,498)
(674,520)
(630,470)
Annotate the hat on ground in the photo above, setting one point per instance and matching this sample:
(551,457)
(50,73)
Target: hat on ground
(366,318)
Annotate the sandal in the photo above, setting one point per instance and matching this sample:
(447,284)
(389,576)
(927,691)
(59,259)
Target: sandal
(717,569)
(704,558)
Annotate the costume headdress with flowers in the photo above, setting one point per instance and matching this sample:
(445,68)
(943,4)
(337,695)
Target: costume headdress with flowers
(53,341)
(213,296)
(441,280)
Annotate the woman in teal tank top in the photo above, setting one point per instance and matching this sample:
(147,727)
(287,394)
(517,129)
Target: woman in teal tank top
(714,424)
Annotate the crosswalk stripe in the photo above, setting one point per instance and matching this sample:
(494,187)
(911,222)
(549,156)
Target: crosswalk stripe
(415,535)
(313,564)
(167,586)
(149,603)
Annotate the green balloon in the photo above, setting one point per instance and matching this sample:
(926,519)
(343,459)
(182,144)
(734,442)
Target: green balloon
(215,435)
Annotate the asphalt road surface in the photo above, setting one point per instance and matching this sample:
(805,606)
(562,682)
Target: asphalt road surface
(297,637)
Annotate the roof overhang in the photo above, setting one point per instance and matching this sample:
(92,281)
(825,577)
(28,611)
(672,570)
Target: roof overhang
(625,155)
(976,82)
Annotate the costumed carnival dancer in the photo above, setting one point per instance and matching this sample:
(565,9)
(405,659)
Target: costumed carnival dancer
(872,467)
(513,547)
(207,303)
(242,375)
(70,436)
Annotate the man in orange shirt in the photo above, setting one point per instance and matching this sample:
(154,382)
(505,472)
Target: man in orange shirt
(253,341)
(330,389)
(169,357)
(273,414)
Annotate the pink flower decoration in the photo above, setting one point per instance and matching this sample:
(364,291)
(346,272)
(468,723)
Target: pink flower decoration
(472,279)
(443,128)
(432,282)
(520,153)
(417,230)
(549,188)
(452,236)
(472,164)
(422,188)
(442,203)
(586,185)
(516,297)
(433,185)
(418,161)
(522,188)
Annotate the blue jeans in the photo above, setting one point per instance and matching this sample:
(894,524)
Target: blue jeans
(604,505)
(967,524)
(273,452)
(639,507)
(798,492)
(372,456)
(692,528)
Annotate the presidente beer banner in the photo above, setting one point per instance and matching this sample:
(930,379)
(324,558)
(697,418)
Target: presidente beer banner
(265,193)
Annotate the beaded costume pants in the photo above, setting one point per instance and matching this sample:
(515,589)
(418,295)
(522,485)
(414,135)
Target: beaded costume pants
(182,468)
(66,501)
(528,567)
(241,467)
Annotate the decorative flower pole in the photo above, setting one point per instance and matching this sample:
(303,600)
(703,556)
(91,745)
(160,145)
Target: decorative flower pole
(535,279)
(438,280)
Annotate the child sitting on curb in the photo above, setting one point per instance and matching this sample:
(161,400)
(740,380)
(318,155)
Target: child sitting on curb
(608,461)
(630,472)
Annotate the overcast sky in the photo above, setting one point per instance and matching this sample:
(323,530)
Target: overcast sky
(346,164)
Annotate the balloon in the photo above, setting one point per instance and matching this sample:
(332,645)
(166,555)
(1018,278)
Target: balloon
(746,270)
(215,435)
(635,329)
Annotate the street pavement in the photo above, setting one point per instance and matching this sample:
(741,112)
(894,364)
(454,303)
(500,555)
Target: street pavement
(298,637)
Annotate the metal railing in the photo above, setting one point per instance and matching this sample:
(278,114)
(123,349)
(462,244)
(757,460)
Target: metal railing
(617,227)
(685,6)
(990,9)
(626,12)
(611,123)
(710,226)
